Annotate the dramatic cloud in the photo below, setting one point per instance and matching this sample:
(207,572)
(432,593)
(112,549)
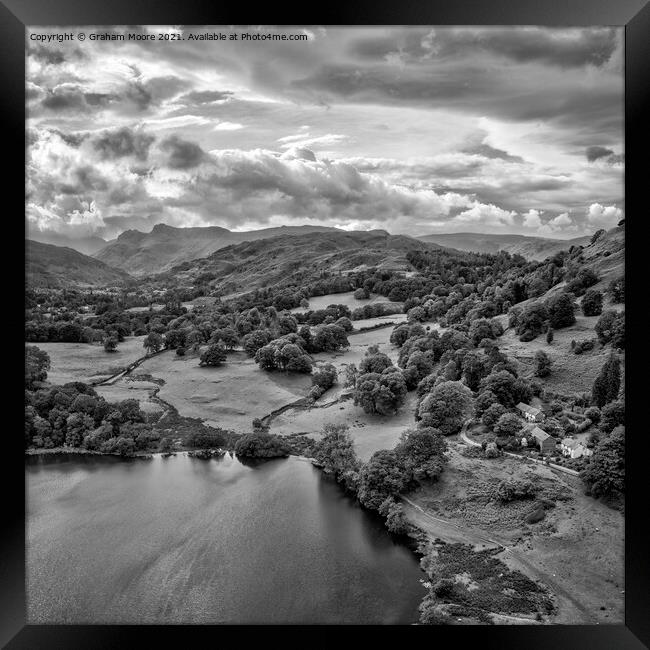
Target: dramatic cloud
(411,129)
(605,217)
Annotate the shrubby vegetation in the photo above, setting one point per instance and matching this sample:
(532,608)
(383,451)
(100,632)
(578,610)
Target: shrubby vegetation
(260,444)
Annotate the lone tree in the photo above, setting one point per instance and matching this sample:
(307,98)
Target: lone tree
(592,303)
(542,364)
(549,335)
(560,311)
(608,382)
(110,343)
(215,355)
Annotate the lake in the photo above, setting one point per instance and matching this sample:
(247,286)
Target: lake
(183,540)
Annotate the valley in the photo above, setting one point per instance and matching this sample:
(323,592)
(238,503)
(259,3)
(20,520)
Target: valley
(183,400)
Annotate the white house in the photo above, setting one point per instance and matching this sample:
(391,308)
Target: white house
(574,448)
(531,413)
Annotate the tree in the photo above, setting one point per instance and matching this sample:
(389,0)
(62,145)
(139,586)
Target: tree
(361,294)
(542,364)
(616,290)
(381,477)
(492,414)
(260,444)
(227,335)
(422,452)
(215,355)
(560,311)
(473,370)
(110,343)
(604,474)
(607,383)
(502,385)
(381,393)
(255,340)
(400,335)
(78,425)
(508,425)
(325,376)
(549,335)
(612,415)
(37,363)
(394,512)
(485,399)
(335,451)
(153,342)
(374,361)
(445,407)
(592,303)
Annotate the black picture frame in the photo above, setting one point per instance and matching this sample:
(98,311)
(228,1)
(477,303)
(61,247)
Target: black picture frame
(633,14)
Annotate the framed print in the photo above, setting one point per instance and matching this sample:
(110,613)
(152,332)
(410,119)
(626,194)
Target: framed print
(325,322)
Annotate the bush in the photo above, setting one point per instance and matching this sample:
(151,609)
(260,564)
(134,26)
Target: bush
(542,364)
(511,490)
(261,445)
(508,425)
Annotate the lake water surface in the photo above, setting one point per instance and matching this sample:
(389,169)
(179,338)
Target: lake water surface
(182,540)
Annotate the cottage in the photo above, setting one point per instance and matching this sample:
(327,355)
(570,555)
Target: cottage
(531,413)
(574,448)
(546,443)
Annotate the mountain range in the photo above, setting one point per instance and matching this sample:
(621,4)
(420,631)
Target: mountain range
(242,260)
(297,258)
(142,253)
(532,248)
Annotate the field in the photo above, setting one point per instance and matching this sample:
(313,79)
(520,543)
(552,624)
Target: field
(570,373)
(230,396)
(89,362)
(129,388)
(369,432)
(576,550)
(347,299)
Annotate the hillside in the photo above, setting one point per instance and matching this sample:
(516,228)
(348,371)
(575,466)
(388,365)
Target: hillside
(86,245)
(165,246)
(532,248)
(299,258)
(58,266)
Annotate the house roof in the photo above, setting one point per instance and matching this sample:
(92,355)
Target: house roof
(538,434)
(528,409)
(571,443)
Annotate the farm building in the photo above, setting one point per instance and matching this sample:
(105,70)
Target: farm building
(546,443)
(531,413)
(574,448)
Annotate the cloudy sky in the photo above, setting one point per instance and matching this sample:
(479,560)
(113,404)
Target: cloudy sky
(413,130)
